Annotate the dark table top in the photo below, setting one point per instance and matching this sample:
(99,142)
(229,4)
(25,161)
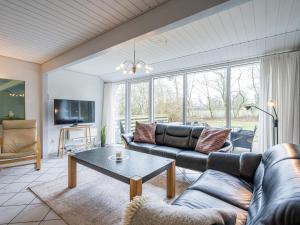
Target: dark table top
(134,164)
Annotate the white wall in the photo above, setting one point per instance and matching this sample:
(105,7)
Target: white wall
(30,73)
(64,84)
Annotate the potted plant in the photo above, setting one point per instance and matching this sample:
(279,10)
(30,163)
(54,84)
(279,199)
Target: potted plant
(103,136)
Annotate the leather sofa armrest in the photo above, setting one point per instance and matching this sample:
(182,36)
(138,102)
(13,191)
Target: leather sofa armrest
(224,162)
(127,138)
(227,147)
(241,165)
(248,164)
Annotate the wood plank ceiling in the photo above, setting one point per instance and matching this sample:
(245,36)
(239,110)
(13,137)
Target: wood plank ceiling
(254,28)
(38,30)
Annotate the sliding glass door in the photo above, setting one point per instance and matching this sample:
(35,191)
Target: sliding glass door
(119,97)
(206,98)
(244,90)
(168,99)
(139,103)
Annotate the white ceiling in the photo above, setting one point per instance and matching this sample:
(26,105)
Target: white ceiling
(254,28)
(38,30)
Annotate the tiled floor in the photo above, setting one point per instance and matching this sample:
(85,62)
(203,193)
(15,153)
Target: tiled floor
(20,206)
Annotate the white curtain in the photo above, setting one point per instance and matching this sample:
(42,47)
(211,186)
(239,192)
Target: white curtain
(108,118)
(280,81)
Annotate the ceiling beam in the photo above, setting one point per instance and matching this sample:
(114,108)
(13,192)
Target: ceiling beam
(169,15)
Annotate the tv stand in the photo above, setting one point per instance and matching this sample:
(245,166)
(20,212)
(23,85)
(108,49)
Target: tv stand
(62,136)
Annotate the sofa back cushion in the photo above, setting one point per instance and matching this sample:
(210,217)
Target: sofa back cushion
(177,136)
(19,136)
(276,194)
(160,133)
(195,134)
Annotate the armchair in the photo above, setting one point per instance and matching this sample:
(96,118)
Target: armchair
(20,143)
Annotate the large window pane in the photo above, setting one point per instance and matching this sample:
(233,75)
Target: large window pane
(168,99)
(139,103)
(119,110)
(206,98)
(244,91)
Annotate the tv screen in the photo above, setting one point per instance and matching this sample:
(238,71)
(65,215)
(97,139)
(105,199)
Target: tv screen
(73,111)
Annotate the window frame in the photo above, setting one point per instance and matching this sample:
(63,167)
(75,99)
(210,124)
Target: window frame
(184,72)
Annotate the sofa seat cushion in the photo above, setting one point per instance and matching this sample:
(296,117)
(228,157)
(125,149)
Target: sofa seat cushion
(140,147)
(225,187)
(192,160)
(165,151)
(195,199)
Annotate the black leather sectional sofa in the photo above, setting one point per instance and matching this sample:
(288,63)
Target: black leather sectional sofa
(176,142)
(262,190)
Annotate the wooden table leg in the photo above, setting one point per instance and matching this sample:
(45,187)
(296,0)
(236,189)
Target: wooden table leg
(72,173)
(59,142)
(63,143)
(171,180)
(135,187)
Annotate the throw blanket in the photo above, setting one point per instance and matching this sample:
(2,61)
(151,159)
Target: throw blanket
(143,211)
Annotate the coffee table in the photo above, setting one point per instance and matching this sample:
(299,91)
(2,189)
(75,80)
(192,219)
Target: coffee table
(135,169)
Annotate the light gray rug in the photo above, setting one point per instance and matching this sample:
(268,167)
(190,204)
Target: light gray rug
(97,199)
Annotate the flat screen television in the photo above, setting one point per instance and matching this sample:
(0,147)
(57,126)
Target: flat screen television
(73,111)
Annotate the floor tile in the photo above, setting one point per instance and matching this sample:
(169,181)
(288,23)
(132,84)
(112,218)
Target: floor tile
(52,216)
(2,185)
(28,223)
(53,222)
(5,197)
(13,187)
(36,201)
(15,171)
(32,213)
(47,177)
(27,178)
(6,179)
(9,212)
(20,199)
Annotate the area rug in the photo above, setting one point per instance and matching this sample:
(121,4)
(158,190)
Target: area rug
(97,199)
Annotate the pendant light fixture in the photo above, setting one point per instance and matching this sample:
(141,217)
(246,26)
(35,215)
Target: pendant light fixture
(131,66)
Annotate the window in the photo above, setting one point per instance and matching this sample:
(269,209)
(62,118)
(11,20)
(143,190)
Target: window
(244,91)
(168,100)
(119,110)
(202,102)
(206,98)
(139,103)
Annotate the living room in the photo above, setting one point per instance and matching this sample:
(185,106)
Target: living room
(149,112)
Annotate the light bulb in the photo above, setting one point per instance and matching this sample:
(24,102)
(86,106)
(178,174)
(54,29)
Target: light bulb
(271,103)
(147,71)
(150,68)
(122,65)
(118,68)
(130,72)
(124,72)
(139,65)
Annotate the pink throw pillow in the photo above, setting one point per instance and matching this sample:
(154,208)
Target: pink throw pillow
(144,132)
(211,139)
